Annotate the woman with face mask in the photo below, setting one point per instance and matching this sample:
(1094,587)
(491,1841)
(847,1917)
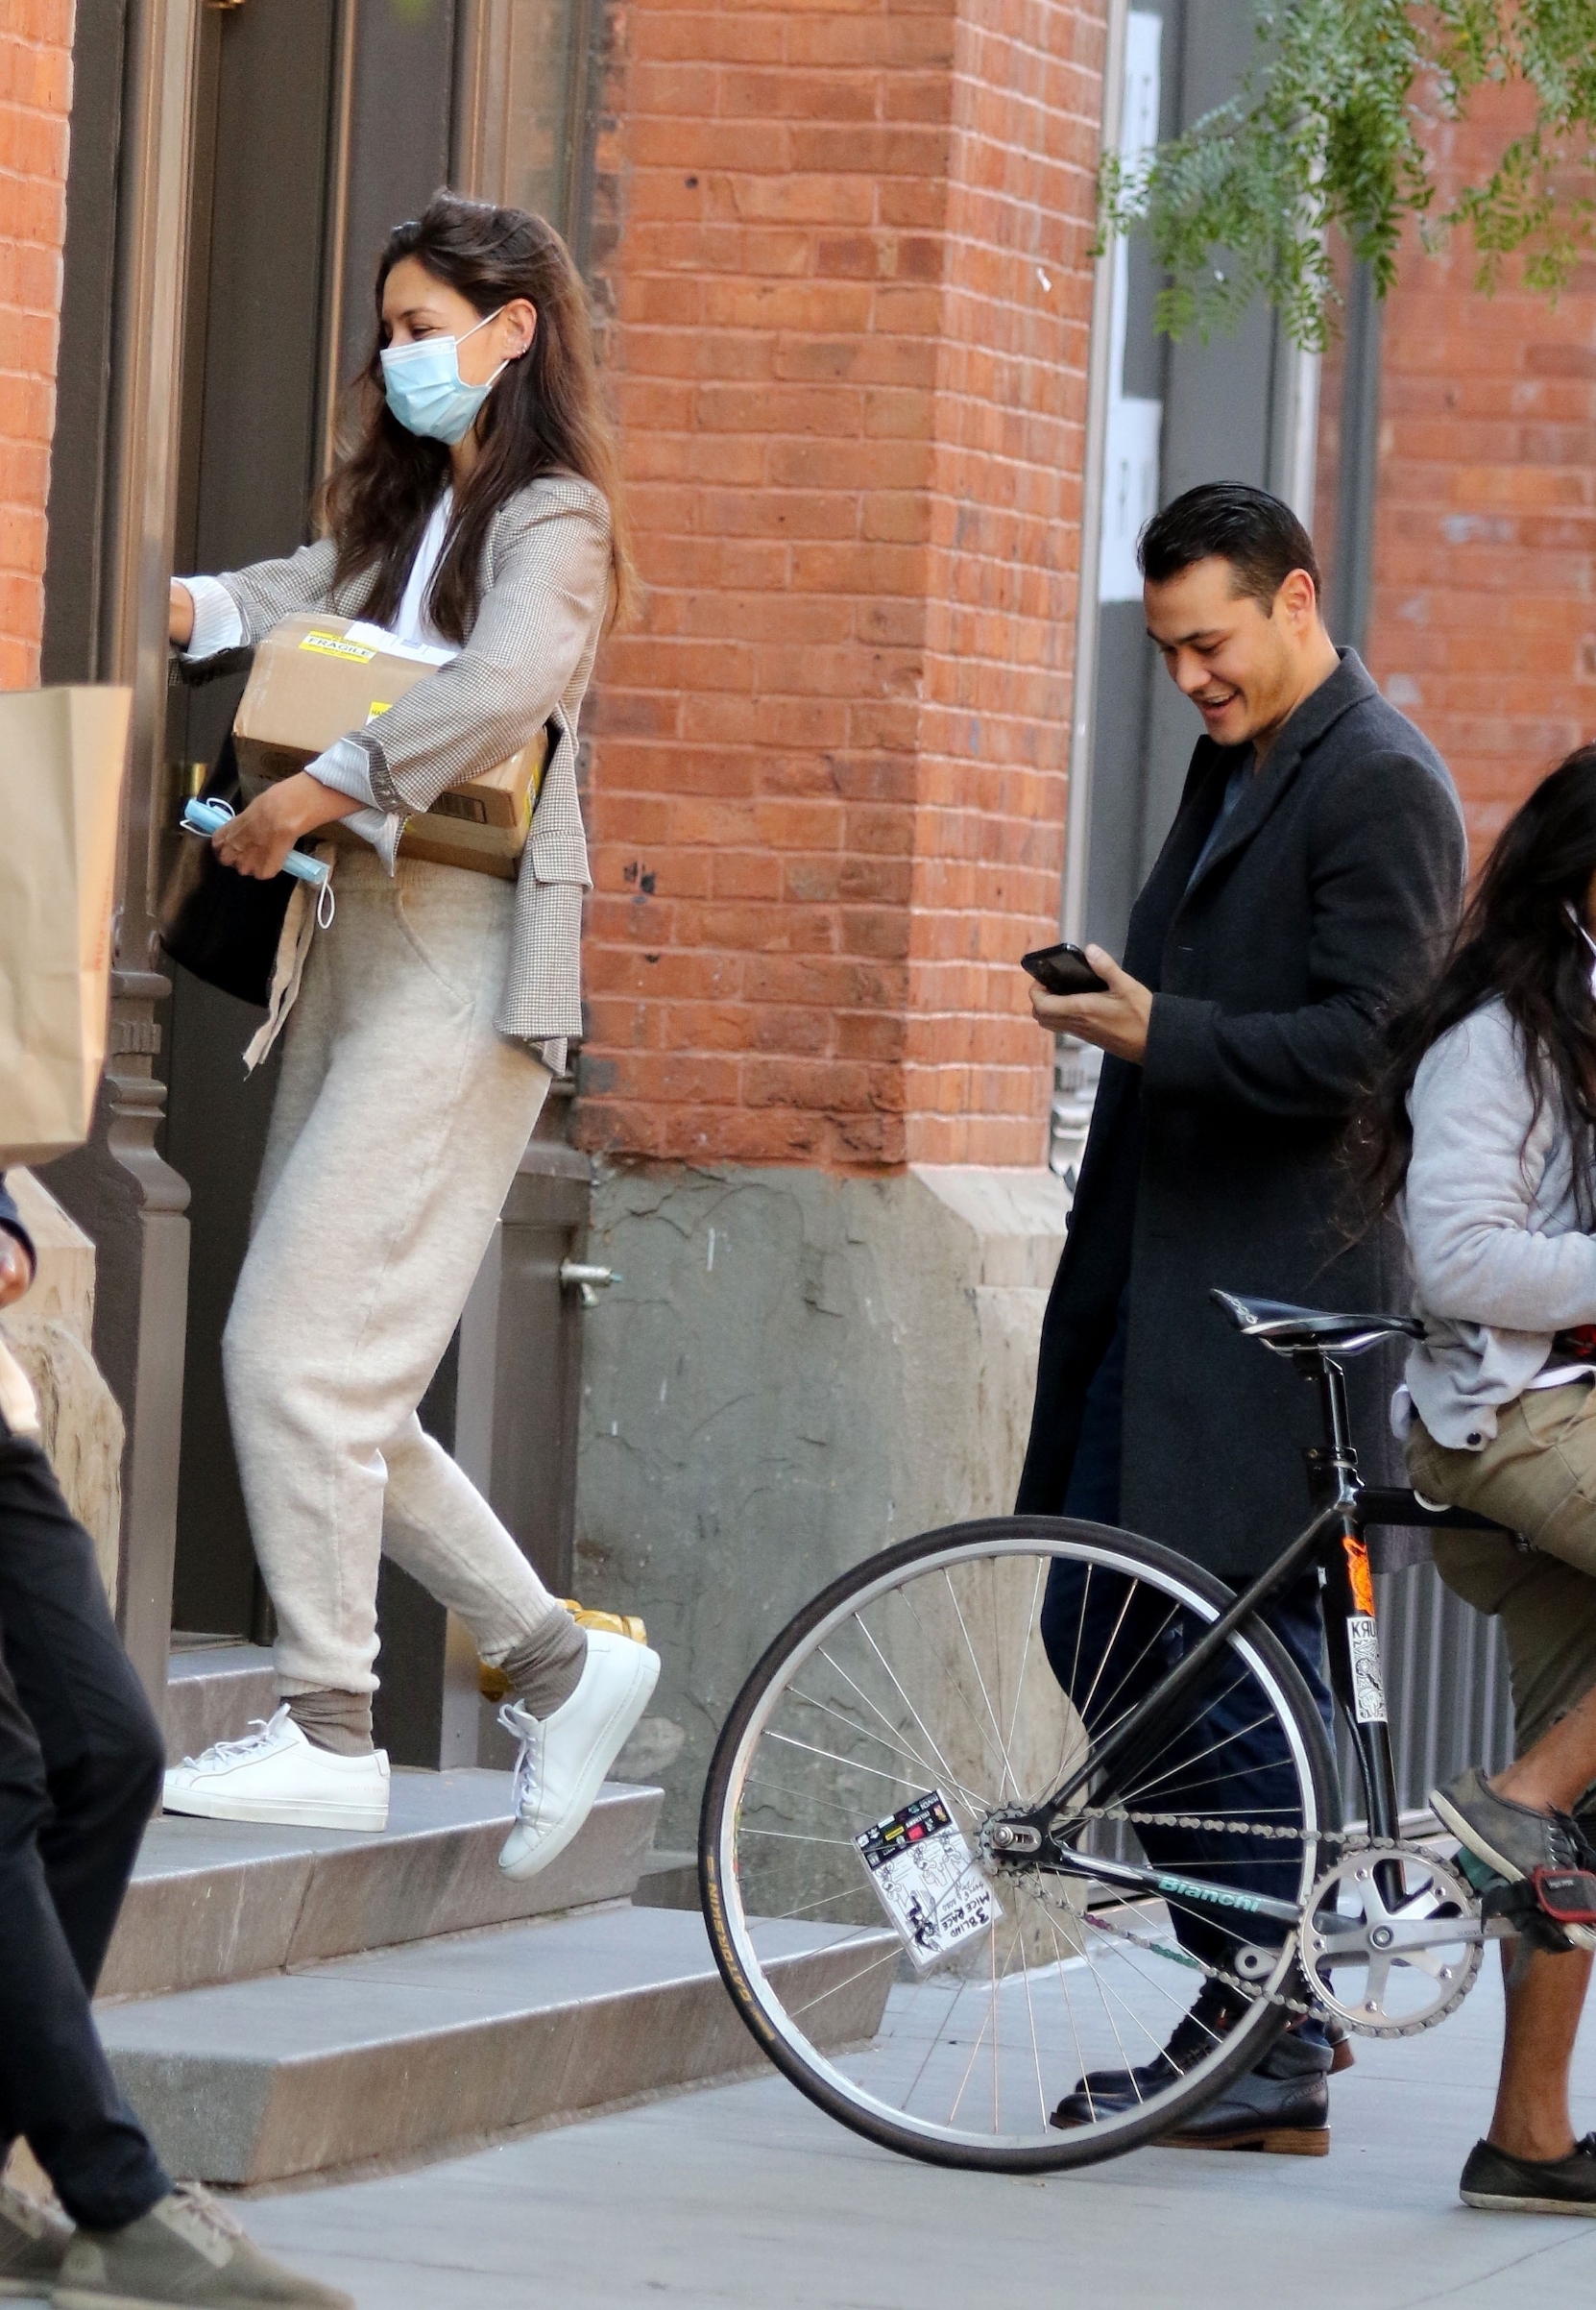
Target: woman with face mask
(479,512)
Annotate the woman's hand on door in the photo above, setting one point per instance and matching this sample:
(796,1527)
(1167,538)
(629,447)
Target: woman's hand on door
(260,838)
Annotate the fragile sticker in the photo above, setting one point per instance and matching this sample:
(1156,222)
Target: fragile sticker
(334,645)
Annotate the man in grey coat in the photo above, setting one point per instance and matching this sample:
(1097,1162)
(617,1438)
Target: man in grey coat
(1313,873)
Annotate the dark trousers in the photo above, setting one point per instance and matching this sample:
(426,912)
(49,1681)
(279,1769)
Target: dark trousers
(1107,1643)
(81,1760)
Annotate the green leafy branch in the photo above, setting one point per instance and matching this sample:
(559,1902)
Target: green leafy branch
(1333,127)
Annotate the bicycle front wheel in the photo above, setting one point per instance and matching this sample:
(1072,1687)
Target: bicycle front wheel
(944,2003)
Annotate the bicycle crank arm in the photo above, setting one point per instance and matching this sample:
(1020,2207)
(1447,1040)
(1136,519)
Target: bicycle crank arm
(1394,1938)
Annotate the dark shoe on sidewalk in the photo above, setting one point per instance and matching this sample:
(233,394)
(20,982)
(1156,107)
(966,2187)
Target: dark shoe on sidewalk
(1503,2184)
(186,2253)
(1283,2106)
(1106,2092)
(1514,1840)
(32,2239)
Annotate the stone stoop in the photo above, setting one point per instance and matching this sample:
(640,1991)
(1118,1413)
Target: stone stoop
(280,2001)
(405,2052)
(214,1692)
(224,1901)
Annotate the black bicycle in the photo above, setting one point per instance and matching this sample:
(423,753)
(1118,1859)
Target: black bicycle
(956,1854)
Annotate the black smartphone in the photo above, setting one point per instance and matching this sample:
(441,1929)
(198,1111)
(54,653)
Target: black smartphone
(1063,971)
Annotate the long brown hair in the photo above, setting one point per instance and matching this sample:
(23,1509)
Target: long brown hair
(1520,939)
(544,414)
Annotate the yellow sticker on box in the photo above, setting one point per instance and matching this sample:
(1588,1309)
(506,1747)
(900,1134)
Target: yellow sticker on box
(334,645)
(379,706)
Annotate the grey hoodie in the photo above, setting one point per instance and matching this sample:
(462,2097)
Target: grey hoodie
(1500,1263)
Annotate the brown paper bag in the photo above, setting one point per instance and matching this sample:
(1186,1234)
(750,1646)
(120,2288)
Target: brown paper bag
(61,758)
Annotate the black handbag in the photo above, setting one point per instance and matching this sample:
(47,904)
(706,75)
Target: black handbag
(223,925)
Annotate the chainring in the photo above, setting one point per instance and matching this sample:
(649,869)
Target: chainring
(1365,1939)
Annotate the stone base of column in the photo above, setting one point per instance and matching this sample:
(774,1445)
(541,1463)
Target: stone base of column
(51,1334)
(794,1368)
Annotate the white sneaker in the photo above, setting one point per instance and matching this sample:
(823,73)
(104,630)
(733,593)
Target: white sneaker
(563,1758)
(275,1774)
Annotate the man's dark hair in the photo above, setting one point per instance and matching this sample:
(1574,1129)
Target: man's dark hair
(1261,539)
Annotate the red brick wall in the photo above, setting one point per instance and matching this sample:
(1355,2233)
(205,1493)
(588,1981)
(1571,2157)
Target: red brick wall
(36,89)
(1482,622)
(850,283)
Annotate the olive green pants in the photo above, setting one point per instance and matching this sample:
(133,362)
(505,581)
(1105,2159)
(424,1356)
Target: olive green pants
(1538,1477)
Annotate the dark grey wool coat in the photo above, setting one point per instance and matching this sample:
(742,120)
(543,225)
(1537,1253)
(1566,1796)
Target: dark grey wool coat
(1332,889)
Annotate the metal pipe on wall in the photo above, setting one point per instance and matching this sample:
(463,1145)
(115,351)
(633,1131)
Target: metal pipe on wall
(135,1201)
(1077,831)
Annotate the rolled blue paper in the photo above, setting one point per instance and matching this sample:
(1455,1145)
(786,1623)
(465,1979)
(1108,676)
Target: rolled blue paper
(208,818)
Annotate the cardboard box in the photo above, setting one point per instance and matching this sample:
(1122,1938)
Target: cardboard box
(316,679)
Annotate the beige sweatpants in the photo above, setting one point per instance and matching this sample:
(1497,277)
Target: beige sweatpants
(399,1119)
(1538,1477)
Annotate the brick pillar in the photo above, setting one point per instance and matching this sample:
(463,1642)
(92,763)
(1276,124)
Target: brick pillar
(845,249)
(850,286)
(1483,622)
(35,94)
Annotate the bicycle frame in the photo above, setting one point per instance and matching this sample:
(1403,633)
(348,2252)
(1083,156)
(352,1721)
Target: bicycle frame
(1334,1539)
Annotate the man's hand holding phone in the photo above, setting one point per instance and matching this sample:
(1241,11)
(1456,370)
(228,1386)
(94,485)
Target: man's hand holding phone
(1086,994)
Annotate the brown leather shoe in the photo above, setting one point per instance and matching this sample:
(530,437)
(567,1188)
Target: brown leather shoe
(1283,2106)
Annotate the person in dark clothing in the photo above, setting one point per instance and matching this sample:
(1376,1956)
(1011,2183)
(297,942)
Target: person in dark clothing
(1311,878)
(80,1774)
(81,1762)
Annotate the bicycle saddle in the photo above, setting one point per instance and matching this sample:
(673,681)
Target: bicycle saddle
(1289,1331)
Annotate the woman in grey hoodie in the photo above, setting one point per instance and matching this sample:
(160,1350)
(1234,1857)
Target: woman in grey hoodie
(1484,1137)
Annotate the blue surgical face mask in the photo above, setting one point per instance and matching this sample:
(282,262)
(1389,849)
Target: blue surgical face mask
(426,390)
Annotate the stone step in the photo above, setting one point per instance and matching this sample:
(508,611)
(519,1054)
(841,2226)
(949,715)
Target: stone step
(669,1880)
(224,1901)
(212,1693)
(409,2050)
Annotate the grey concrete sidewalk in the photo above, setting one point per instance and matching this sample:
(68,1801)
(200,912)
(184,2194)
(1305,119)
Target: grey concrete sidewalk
(747,2195)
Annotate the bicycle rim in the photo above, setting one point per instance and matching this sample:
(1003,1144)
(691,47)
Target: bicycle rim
(925,1674)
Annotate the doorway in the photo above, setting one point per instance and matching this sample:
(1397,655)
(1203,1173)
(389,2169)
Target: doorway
(318,123)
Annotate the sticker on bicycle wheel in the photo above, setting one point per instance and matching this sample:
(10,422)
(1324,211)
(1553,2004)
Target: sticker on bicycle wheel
(928,1880)
(1369,1686)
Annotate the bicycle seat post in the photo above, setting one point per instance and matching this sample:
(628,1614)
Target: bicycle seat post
(1350,1626)
(1339,1462)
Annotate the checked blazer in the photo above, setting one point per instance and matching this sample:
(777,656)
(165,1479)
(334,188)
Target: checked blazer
(526,661)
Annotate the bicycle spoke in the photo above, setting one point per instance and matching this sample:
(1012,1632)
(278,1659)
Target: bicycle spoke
(1008,1781)
(790,1741)
(1025,1653)
(952,1681)
(860,1624)
(896,1746)
(1101,1733)
(1215,1748)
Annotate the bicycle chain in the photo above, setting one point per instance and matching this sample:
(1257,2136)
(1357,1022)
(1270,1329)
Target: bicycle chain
(1348,1840)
